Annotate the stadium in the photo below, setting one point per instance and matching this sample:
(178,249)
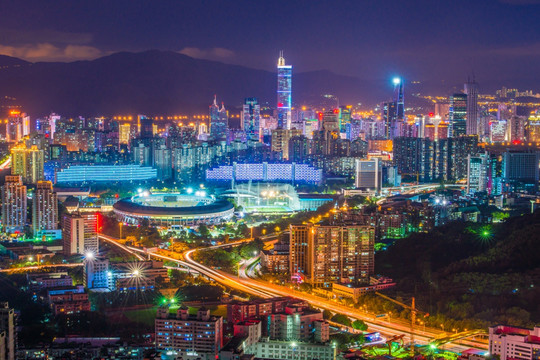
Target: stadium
(173,209)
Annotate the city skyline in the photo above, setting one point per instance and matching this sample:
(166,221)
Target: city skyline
(180,179)
(424,41)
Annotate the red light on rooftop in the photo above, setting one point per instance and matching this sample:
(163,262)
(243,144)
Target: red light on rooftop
(336,111)
(431,114)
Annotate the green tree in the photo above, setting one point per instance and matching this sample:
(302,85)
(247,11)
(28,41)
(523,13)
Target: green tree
(327,314)
(203,230)
(341,319)
(359,325)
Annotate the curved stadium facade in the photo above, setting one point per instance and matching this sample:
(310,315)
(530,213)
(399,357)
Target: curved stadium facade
(166,209)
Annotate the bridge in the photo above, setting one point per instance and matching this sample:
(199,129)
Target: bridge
(405,190)
(445,338)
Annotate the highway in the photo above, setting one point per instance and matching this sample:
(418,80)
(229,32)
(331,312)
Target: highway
(39,267)
(266,290)
(6,163)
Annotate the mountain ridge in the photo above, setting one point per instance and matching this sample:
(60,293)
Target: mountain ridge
(156,82)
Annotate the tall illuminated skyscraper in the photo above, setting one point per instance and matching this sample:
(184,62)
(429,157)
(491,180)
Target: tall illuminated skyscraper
(219,120)
(44,208)
(321,255)
(8,332)
(124,133)
(251,118)
(458,115)
(80,233)
(399,105)
(146,127)
(398,98)
(13,204)
(284,89)
(28,162)
(471,89)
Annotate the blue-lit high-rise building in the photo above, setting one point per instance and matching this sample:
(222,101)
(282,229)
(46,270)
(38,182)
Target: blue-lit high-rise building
(458,115)
(219,120)
(284,88)
(398,98)
(251,118)
(393,112)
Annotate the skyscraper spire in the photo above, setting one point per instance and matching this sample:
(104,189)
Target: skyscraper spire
(281,59)
(215,100)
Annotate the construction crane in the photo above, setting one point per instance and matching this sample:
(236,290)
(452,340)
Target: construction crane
(414,174)
(390,341)
(413,310)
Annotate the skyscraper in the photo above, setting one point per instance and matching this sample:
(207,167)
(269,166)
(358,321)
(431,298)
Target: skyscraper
(284,89)
(368,174)
(124,136)
(251,117)
(8,333)
(458,115)
(321,255)
(146,127)
(14,126)
(73,234)
(398,99)
(388,110)
(13,204)
(520,169)
(80,233)
(44,208)
(96,272)
(477,174)
(219,121)
(163,162)
(471,89)
(28,162)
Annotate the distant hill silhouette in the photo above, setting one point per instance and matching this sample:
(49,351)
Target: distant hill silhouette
(157,82)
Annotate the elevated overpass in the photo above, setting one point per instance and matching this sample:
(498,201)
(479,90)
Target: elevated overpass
(445,338)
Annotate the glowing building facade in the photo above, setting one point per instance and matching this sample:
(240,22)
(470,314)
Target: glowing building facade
(28,162)
(44,208)
(13,204)
(251,118)
(284,91)
(458,115)
(219,120)
(322,255)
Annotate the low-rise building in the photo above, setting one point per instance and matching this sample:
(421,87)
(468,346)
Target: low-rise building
(238,311)
(292,350)
(40,281)
(190,336)
(508,342)
(274,261)
(68,300)
(355,290)
(298,323)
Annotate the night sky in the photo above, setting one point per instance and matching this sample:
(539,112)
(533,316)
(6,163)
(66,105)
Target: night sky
(424,40)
